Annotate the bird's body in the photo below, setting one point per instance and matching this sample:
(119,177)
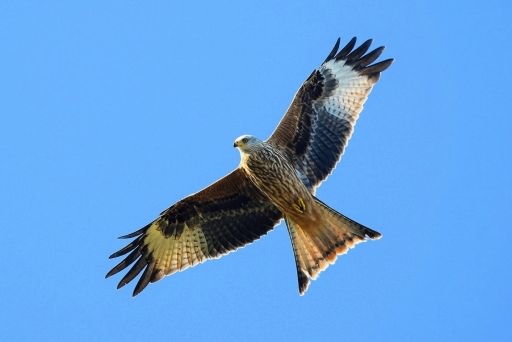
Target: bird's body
(267,167)
(318,233)
(277,178)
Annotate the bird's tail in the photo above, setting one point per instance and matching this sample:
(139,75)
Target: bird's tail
(317,243)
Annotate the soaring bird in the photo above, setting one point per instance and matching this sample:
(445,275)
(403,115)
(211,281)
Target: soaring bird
(276,179)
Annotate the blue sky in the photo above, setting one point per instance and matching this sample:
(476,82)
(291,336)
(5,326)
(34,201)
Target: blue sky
(111,111)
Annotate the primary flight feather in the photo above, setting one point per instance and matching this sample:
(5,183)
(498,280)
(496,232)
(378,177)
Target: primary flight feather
(276,179)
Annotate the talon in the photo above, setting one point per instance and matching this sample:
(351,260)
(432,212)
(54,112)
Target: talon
(300,206)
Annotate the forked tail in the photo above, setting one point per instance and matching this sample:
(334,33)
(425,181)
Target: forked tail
(316,247)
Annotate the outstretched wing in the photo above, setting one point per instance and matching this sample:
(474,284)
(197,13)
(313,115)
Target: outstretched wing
(319,122)
(215,221)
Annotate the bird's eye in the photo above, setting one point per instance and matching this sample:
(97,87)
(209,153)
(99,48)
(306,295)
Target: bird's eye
(245,140)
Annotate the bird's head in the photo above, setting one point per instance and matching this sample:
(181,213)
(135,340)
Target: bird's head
(247,143)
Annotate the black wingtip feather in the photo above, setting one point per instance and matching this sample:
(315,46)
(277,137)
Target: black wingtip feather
(133,272)
(369,58)
(123,264)
(359,59)
(359,52)
(136,233)
(346,50)
(375,69)
(144,279)
(126,249)
(333,51)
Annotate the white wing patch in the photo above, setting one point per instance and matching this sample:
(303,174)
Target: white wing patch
(348,98)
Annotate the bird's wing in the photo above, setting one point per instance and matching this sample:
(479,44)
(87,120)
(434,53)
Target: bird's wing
(319,122)
(227,215)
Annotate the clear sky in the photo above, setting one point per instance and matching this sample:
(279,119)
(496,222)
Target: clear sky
(113,110)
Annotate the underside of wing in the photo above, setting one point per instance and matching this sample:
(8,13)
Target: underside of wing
(215,221)
(320,120)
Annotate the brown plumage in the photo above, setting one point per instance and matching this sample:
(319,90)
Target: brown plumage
(318,232)
(276,179)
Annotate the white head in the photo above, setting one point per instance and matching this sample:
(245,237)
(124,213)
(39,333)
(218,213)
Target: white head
(247,143)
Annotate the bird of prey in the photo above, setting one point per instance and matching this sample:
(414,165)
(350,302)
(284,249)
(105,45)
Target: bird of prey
(276,179)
